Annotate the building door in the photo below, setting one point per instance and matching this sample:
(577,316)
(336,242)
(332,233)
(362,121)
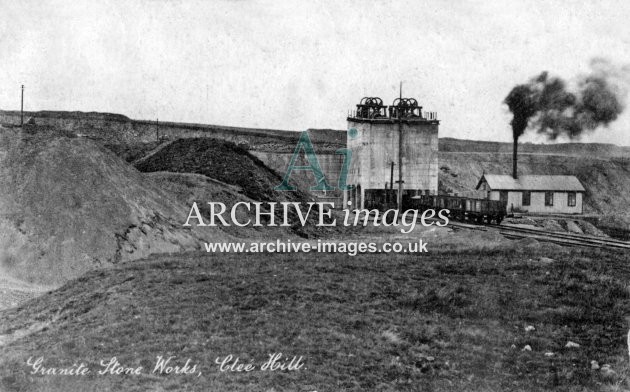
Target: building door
(503,196)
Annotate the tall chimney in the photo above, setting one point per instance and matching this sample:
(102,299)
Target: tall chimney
(514,158)
(22,108)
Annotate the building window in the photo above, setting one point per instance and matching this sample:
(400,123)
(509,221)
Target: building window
(527,198)
(549,198)
(572,199)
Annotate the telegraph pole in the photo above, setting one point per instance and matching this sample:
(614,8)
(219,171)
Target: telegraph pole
(157,130)
(400,149)
(22,109)
(391,185)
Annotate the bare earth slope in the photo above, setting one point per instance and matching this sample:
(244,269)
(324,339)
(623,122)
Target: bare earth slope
(69,205)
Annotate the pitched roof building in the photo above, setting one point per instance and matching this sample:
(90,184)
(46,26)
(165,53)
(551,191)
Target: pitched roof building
(535,193)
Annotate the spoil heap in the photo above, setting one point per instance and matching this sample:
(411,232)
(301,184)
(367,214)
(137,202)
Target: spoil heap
(229,173)
(69,205)
(223,161)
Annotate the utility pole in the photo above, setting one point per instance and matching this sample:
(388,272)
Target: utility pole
(391,177)
(391,185)
(157,129)
(22,109)
(400,149)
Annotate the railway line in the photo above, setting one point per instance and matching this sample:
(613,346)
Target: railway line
(482,214)
(567,239)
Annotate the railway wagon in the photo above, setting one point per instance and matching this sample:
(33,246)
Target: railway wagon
(461,208)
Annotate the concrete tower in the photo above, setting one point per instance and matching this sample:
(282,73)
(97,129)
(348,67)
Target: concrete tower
(382,139)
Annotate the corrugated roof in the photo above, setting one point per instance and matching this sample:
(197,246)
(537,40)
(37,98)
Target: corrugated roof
(532,183)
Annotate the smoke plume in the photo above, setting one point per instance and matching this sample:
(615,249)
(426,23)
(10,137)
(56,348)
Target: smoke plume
(552,107)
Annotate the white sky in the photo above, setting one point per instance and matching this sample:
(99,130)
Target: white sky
(301,64)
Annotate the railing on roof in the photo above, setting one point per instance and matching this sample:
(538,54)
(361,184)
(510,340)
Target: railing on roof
(372,108)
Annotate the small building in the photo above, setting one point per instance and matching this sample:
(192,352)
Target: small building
(535,193)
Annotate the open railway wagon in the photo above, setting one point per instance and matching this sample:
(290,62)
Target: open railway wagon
(461,208)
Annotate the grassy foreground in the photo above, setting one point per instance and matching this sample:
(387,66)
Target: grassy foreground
(451,320)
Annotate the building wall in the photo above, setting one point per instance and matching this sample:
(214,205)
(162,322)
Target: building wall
(537,202)
(376,146)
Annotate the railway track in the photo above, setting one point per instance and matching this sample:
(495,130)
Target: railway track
(567,239)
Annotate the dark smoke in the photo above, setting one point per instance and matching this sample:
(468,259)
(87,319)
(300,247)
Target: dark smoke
(523,103)
(546,103)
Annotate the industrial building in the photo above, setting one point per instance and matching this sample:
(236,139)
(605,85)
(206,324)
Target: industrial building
(535,193)
(393,147)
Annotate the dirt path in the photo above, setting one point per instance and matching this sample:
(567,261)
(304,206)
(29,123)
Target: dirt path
(152,153)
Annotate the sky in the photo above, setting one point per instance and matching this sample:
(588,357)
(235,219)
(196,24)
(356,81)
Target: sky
(302,64)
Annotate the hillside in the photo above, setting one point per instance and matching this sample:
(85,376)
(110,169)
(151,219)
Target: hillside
(459,319)
(119,129)
(69,205)
(601,150)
